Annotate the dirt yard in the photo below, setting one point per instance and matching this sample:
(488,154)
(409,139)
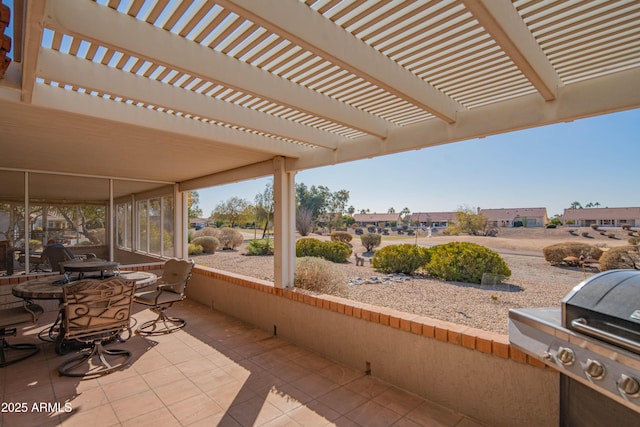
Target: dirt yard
(533,283)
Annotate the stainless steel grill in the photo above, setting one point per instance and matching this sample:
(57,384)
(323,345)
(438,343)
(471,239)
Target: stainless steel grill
(593,339)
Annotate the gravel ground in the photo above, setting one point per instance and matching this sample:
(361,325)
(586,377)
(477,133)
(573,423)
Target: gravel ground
(534,283)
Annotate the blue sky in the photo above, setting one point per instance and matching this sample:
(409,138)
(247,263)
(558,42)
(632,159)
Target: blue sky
(589,160)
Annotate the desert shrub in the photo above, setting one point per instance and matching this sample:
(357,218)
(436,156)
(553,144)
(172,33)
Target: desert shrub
(406,258)
(308,247)
(595,226)
(611,235)
(321,276)
(229,238)
(626,227)
(331,251)
(554,254)
(205,231)
(335,251)
(260,247)
(359,231)
(585,234)
(209,244)
(634,241)
(451,230)
(370,241)
(341,236)
(195,249)
(624,257)
(464,262)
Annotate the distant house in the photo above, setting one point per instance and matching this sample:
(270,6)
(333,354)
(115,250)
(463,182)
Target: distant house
(432,219)
(198,223)
(516,217)
(378,220)
(606,217)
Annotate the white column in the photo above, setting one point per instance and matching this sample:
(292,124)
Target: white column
(181,217)
(284,224)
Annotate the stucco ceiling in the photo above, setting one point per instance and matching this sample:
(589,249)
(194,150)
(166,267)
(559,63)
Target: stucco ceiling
(202,92)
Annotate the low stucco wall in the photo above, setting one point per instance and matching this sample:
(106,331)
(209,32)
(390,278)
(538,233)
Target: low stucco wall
(470,371)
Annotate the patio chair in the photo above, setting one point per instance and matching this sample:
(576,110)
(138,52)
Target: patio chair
(170,289)
(96,312)
(9,318)
(57,255)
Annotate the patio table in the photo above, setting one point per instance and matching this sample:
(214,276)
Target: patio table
(93,265)
(50,288)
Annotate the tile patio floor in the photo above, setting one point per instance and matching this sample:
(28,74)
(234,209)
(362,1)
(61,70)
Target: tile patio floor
(216,371)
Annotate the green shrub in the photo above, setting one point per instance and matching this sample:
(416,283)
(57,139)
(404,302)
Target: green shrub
(321,276)
(555,254)
(332,251)
(209,244)
(370,241)
(195,249)
(307,247)
(624,257)
(464,262)
(341,236)
(260,247)
(406,258)
(335,251)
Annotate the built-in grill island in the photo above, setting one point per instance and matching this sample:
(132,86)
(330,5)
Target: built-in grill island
(593,340)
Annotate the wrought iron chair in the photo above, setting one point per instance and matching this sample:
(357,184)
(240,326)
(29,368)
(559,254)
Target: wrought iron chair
(95,312)
(170,289)
(9,318)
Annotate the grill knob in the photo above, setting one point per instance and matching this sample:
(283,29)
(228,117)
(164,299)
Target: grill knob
(628,385)
(566,356)
(594,369)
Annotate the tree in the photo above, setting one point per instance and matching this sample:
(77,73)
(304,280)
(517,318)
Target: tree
(231,211)
(575,205)
(471,223)
(322,203)
(193,210)
(264,207)
(304,221)
(391,210)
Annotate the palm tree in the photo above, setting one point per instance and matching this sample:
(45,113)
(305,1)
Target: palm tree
(575,205)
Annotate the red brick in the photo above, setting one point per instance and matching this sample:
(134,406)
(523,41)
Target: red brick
(484,344)
(518,355)
(394,322)
(441,333)
(384,319)
(416,327)
(501,349)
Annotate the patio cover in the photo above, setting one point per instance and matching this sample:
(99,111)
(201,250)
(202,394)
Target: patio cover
(206,92)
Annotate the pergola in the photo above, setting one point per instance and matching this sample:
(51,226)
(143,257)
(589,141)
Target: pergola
(197,93)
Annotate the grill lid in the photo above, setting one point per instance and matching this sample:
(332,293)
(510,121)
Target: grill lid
(606,306)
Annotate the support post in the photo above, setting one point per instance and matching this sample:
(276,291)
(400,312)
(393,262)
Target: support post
(284,224)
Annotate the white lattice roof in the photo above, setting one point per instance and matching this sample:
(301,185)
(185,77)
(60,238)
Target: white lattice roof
(203,92)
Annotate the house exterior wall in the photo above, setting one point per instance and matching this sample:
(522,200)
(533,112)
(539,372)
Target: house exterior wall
(604,217)
(470,371)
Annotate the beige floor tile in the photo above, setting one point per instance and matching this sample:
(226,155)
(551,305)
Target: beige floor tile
(195,408)
(220,372)
(372,414)
(133,406)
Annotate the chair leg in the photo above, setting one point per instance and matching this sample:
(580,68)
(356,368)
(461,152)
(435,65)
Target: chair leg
(103,367)
(163,324)
(24,351)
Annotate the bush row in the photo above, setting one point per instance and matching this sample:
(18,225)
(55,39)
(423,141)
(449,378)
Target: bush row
(334,251)
(455,261)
